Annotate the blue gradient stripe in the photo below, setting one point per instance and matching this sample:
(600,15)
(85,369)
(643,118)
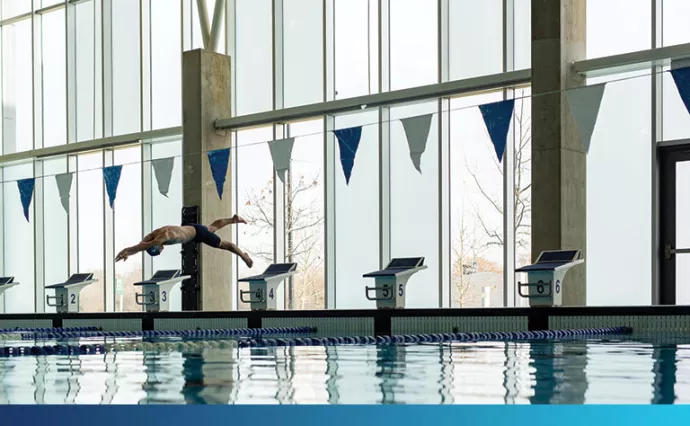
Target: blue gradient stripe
(346,415)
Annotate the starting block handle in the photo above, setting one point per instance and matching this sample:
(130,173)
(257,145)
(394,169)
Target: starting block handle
(259,296)
(527,296)
(391,289)
(144,303)
(55,305)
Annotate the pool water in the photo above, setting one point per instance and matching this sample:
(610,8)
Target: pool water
(538,372)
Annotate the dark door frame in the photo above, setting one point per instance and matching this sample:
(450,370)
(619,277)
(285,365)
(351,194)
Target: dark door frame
(668,157)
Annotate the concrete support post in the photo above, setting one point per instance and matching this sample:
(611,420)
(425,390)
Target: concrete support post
(558,158)
(206,95)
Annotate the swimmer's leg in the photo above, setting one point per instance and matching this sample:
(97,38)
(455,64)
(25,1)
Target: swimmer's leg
(222,223)
(232,248)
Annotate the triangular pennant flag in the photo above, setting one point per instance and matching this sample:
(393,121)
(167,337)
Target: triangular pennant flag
(111,175)
(348,140)
(26,193)
(497,117)
(584,106)
(163,169)
(417,131)
(64,183)
(681,76)
(219,160)
(281,152)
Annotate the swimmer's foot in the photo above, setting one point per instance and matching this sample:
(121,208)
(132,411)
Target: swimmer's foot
(238,219)
(247,260)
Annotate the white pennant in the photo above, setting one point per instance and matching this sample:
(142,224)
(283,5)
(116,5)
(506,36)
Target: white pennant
(584,106)
(417,131)
(163,168)
(64,183)
(281,152)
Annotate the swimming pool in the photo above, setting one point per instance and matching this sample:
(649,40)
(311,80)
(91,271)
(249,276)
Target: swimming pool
(202,370)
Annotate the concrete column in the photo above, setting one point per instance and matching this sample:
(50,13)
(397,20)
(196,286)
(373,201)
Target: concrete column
(558,158)
(206,94)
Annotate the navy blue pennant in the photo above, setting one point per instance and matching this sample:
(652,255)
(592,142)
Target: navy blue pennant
(348,140)
(26,193)
(681,77)
(111,175)
(497,118)
(219,160)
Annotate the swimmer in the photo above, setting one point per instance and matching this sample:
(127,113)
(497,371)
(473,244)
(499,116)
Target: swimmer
(154,242)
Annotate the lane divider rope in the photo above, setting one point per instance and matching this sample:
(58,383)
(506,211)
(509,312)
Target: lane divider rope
(157,333)
(98,349)
(435,338)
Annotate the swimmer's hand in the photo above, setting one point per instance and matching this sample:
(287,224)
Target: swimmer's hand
(123,255)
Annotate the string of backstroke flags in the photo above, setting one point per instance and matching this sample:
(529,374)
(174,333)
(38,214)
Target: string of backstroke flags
(584,104)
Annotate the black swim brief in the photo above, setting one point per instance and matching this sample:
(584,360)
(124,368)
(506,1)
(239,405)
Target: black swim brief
(203,235)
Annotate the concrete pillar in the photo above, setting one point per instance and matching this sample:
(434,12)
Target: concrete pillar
(558,158)
(205,98)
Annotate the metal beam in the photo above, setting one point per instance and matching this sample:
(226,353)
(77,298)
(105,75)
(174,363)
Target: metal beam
(218,12)
(397,97)
(155,136)
(633,61)
(203,22)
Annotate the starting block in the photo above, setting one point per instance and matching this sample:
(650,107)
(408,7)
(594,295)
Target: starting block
(263,288)
(545,277)
(6,283)
(67,294)
(390,282)
(156,295)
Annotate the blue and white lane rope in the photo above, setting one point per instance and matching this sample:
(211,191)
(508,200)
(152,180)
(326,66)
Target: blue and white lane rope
(99,349)
(435,338)
(214,333)
(48,330)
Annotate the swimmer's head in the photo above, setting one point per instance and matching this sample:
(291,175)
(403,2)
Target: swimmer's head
(155,250)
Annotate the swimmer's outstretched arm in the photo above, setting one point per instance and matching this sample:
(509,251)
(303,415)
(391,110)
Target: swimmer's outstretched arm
(129,251)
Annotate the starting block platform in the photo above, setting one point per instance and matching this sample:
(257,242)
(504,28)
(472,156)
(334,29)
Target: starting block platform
(545,277)
(7,283)
(67,294)
(390,283)
(156,291)
(263,288)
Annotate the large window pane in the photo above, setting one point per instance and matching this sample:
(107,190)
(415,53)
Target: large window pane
(675,118)
(254,200)
(166,64)
(476,204)
(675,28)
(523,34)
(55,226)
(254,56)
(413,43)
(128,227)
(89,65)
(11,8)
(357,215)
(414,205)
(90,204)
(356,48)
(522,139)
(18,242)
(17,92)
(303,51)
(630,34)
(304,217)
(54,86)
(476,38)
(619,203)
(126,67)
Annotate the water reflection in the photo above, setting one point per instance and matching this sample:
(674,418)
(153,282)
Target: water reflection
(568,372)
